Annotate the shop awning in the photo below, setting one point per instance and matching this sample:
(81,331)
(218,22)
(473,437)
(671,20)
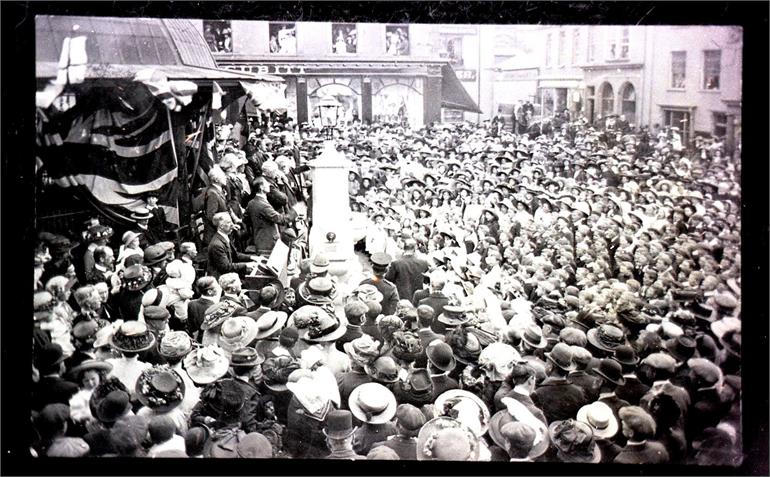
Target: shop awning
(49,69)
(453,93)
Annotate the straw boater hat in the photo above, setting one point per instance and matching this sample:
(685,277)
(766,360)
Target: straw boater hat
(466,408)
(454,315)
(516,412)
(132,337)
(444,438)
(206,364)
(237,332)
(372,403)
(600,418)
(90,365)
(269,323)
(160,388)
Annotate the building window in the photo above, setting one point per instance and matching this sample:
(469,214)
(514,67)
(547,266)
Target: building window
(575,45)
(678,119)
(397,40)
(608,100)
(619,44)
(548,50)
(218,35)
(344,38)
(283,38)
(678,68)
(591,50)
(562,47)
(711,68)
(628,105)
(720,124)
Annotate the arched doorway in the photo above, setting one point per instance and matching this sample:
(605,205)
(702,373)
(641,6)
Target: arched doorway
(628,102)
(607,100)
(346,96)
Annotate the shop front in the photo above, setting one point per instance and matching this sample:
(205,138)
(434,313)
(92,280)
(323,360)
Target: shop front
(406,92)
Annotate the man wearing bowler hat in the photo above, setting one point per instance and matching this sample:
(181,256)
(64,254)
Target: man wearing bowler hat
(558,398)
(339,436)
(380,263)
(409,421)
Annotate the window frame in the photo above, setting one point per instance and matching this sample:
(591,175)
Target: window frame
(217,22)
(575,45)
(548,47)
(561,58)
(684,71)
(715,124)
(704,72)
(408,38)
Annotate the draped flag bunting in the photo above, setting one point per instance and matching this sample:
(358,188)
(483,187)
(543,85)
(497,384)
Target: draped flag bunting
(118,144)
(174,94)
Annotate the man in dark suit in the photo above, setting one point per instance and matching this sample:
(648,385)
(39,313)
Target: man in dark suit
(638,427)
(407,272)
(558,398)
(380,263)
(215,202)
(434,298)
(589,383)
(103,265)
(263,219)
(51,388)
(222,256)
(210,291)
(424,319)
(519,386)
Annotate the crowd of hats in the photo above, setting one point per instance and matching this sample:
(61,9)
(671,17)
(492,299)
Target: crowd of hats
(602,261)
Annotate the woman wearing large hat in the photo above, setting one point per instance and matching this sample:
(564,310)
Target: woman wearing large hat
(215,315)
(465,407)
(602,421)
(236,332)
(574,442)
(315,394)
(374,405)
(207,364)
(161,390)
(130,339)
(87,375)
(135,281)
(517,412)
(444,438)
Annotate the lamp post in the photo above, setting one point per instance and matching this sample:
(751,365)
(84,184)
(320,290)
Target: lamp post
(328,110)
(331,232)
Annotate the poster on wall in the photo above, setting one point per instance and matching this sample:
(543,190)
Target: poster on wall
(344,38)
(397,40)
(451,49)
(219,35)
(283,38)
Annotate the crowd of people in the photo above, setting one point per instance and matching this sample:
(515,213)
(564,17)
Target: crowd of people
(570,295)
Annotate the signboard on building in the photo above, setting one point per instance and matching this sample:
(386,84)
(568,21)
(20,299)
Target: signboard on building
(466,74)
(268,69)
(452,116)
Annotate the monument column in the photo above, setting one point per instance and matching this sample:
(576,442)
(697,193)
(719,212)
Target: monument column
(331,232)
